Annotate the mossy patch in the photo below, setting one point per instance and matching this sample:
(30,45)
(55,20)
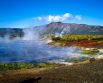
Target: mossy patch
(90,52)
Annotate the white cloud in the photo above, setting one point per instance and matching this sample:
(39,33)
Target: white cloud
(53,18)
(57,18)
(78,17)
(66,15)
(39,18)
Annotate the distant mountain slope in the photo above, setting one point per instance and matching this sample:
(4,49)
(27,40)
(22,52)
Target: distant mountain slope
(11,32)
(54,28)
(71,28)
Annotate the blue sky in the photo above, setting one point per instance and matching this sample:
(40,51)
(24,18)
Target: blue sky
(24,13)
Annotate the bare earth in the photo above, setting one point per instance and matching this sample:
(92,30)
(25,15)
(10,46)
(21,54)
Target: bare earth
(77,73)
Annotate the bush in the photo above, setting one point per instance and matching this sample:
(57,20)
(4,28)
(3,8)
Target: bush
(56,38)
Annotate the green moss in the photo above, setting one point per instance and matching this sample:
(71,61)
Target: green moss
(89,52)
(18,66)
(76,60)
(42,65)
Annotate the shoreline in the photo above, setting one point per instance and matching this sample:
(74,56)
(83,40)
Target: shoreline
(80,71)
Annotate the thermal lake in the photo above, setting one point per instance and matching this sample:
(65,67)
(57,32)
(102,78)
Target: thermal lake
(34,51)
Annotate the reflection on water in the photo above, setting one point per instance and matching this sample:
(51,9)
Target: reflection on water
(33,51)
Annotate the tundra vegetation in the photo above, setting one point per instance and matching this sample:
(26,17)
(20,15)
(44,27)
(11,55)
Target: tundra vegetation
(90,52)
(91,41)
(76,60)
(18,66)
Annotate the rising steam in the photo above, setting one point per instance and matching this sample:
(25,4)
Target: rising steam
(30,34)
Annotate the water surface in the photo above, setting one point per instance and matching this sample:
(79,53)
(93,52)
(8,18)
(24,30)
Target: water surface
(33,51)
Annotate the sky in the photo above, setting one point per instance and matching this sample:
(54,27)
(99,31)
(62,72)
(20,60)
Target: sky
(26,13)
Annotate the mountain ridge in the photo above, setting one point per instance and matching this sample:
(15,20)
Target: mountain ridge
(54,28)
(71,28)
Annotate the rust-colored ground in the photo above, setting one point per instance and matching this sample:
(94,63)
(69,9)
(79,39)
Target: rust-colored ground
(87,43)
(82,43)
